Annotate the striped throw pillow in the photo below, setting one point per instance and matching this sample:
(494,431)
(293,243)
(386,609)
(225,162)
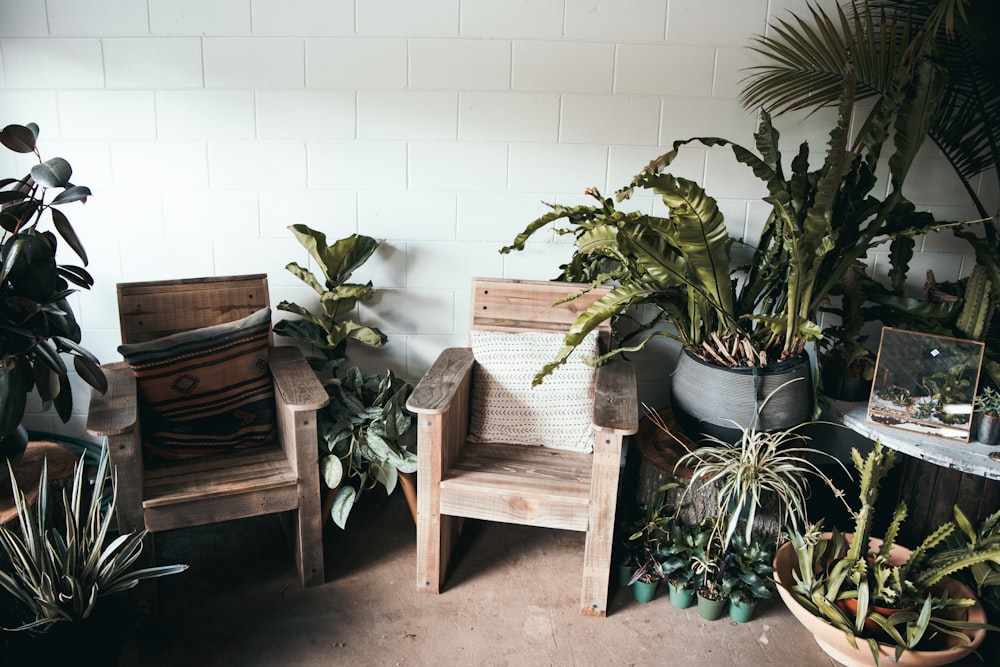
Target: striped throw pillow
(505,407)
(205,391)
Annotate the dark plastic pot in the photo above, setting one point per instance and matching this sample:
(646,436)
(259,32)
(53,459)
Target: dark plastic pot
(709,609)
(682,598)
(741,612)
(643,591)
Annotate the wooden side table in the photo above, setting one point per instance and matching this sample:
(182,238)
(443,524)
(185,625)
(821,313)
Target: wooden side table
(28,470)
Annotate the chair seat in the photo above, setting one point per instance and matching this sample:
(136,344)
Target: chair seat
(534,486)
(218,488)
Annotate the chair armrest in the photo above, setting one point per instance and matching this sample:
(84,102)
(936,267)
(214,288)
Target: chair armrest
(436,391)
(295,380)
(616,403)
(114,411)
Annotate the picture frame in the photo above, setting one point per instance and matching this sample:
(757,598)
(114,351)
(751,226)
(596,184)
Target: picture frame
(925,383)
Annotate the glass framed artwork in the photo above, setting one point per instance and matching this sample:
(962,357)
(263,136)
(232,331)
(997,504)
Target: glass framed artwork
(925,383)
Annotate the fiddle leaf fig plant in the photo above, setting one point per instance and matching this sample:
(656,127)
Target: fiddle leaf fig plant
(37,325)
(361,430)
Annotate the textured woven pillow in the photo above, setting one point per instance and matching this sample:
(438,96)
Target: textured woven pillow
(207,390)
(505,408)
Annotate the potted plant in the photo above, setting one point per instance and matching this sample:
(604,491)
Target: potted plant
(708,563)
(362,428)
(762,472)
(755,319)
(887,46)
(987,403)
(897,602)
(58,575)
(747,576)
(650,533)
(37,324)
(676,555)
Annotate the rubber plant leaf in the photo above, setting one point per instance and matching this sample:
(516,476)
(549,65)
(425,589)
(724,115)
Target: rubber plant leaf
(65,229)
(53,173)
(18,138)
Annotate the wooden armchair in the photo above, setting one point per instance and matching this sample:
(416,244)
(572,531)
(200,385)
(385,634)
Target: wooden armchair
(514,483)
(271,478)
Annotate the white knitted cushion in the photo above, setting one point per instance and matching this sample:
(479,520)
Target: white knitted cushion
(507,409)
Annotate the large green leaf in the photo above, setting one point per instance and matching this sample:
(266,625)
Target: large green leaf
(53,173)
(343,503)
(339,260)
(15,384)
(18,138)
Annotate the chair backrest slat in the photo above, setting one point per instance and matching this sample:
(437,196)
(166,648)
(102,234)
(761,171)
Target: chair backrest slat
(153,309)
(527,305)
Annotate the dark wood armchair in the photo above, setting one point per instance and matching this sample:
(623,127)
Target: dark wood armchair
(282,477)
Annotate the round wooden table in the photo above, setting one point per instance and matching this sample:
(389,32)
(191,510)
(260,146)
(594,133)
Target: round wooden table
(60,465)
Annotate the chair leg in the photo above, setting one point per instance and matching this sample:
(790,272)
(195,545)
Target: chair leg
(600,533)
(145,597)
(309,542)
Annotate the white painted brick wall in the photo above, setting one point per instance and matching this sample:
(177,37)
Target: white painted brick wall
(206,127)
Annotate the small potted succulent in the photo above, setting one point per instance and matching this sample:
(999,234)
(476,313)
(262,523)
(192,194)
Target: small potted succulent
(747,577)
(987,403)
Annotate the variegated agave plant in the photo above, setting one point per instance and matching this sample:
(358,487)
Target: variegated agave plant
(59,574)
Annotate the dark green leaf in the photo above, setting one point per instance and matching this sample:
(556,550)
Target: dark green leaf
(343,502)
(90,372)
(18,138)
(53,173)
(71,194)
(14,387)
(61,223)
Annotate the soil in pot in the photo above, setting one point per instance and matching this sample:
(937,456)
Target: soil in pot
(709,608)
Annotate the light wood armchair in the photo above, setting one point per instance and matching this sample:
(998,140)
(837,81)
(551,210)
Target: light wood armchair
(262,480)
(509,482)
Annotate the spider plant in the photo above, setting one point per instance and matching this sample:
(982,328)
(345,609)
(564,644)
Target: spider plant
(760,469)
(59,575)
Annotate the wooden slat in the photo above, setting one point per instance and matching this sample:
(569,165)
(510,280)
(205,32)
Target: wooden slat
(527,305)
(436,392)
(601,523)
(115,410)
(616,404)
(213,510)
(442,408)
(153,309)
(516,484)
(296,381)
(210,476)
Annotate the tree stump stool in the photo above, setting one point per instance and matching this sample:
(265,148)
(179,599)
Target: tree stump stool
(660,450)
(61,463)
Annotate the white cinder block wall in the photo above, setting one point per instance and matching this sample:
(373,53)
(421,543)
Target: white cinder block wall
(206,127)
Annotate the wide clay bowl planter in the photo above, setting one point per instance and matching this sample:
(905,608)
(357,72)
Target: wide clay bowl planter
(835,644)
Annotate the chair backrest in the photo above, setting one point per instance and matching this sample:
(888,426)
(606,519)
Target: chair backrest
(158,308)
(528,305)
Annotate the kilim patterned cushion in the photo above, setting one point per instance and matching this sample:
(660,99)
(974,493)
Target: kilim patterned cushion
(507,409)
(205,391)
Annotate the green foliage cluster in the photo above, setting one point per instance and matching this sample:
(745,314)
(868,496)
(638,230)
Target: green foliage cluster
(59,575)
(362,428)
(37,325)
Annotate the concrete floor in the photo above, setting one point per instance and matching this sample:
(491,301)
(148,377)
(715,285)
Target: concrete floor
(511,600)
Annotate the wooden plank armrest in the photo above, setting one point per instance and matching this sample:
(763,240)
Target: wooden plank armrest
(436,391)
(616,404)
(295,380)
(114,411)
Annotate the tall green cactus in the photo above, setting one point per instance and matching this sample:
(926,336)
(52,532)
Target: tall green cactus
(871,470)
(977,311)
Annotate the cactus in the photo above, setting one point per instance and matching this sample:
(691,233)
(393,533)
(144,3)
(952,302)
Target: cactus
(977,311)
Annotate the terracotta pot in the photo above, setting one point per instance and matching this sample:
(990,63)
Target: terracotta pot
(835,644)
(850,607)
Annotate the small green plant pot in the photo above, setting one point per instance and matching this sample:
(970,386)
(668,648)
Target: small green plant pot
(741,612)
(711,610)
(643,591)
(680,597)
